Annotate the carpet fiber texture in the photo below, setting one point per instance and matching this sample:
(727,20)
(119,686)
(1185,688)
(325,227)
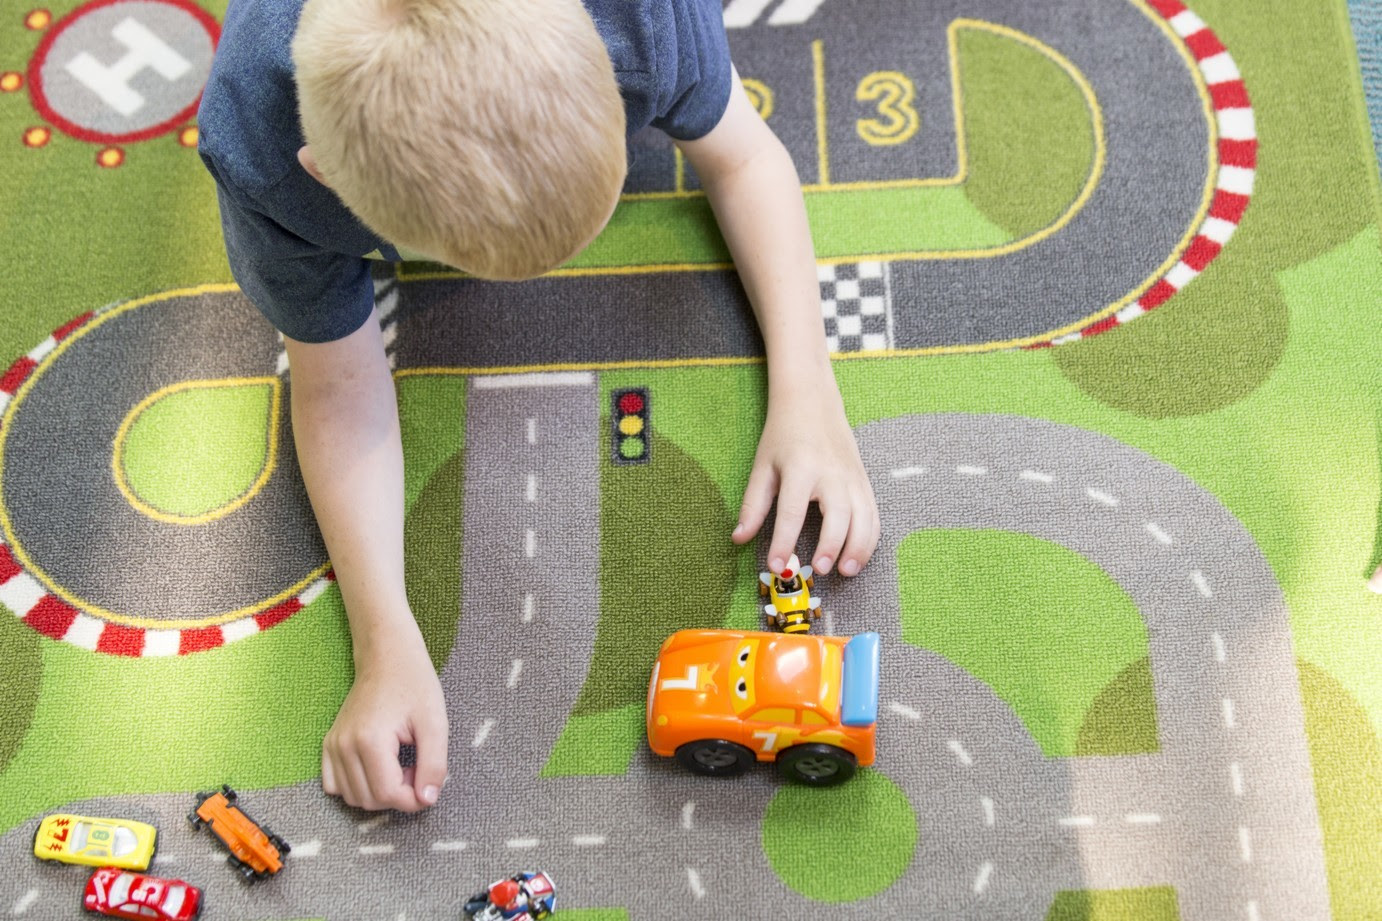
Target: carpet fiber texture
(1102,280)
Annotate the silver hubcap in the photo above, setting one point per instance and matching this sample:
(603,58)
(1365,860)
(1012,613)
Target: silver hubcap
(715,757)
(816,767)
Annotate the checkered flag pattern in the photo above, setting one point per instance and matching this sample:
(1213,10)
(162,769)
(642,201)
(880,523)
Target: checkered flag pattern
(854,305)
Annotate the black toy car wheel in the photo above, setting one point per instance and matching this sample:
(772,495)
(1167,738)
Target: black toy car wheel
(715,757)
(817,765)
(197,821)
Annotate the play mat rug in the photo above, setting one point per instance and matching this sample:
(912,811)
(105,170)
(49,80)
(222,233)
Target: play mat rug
(1102,278)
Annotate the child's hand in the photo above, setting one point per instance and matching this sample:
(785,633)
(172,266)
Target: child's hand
(396,699)
(807,452)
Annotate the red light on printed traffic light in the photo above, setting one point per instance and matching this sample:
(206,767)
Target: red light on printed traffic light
(630,438)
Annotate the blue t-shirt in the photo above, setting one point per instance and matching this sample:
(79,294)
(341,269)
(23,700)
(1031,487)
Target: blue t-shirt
(296,251)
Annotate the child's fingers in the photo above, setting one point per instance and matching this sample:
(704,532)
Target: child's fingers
(329,774)
(792,502)
(385,777)
(758,498)
(430,737)
(835,515)
(864,532)
(351,773)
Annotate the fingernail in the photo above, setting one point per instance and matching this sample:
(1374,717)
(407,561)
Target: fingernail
(849,567)
(776,564)
(823,565)
(738,527)
(429,794)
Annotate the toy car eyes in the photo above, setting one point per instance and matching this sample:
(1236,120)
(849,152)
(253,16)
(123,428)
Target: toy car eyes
(742,689)
(743,655)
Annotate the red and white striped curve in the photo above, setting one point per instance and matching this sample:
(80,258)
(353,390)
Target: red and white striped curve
(1233,184)
(19,372)
(55,618)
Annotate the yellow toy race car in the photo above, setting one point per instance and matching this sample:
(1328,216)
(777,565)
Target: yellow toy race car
(95,842)
(791,607)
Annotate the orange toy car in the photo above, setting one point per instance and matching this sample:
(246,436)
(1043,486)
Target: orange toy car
(256,852)
(719,699)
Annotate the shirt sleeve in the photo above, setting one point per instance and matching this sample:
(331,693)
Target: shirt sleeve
(700,93)
(308,293)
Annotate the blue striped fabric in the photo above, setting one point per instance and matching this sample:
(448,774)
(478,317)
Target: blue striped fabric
(1367,30)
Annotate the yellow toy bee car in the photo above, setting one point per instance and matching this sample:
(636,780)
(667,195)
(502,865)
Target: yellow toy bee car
(791,607)
(95,842)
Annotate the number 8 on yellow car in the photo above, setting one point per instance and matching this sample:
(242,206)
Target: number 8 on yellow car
(95,842)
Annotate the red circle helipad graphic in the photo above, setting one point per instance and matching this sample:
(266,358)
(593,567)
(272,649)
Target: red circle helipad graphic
(116,71)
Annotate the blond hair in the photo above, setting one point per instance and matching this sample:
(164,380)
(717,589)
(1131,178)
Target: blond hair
(487,134)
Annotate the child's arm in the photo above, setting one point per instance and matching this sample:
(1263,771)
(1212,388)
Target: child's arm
(807,451)
(345,423)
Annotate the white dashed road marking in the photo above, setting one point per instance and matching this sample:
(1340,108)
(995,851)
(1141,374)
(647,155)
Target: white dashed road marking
(532,431)
(448,845)
(482,733)
(1229,720)
(514,673)
(529,543)
(1235,778)
(981,881)
(372,824)
(1244,844)
(694,879)
(1201,584)
(531,492)
(588,840)
(970,470)
(988,809)
(903,473)
(375,849)
(1142,818)
(959,750)
(24,901)
(1080,821)
(1161,536)
(904,710)
(686,812)
(1218,641)
(310,849)
(1036,476)
(1101,497)
(521,843)
(528,608)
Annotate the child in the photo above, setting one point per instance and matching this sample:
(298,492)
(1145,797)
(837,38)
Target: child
(488,135)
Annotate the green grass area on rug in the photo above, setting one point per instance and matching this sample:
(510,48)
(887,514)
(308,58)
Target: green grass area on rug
(174,465)
(1156,903)
(431,419)
(840,844)
(1044,627)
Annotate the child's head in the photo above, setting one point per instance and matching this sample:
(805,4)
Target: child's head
(487,134)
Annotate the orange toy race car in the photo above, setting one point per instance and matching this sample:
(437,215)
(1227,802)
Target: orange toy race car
(719,699)
(256,852)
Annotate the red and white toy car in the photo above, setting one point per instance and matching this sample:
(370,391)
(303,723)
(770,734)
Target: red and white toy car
(120,894)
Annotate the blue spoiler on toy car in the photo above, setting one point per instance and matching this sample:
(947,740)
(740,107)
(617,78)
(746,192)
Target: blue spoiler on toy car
(859,698)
